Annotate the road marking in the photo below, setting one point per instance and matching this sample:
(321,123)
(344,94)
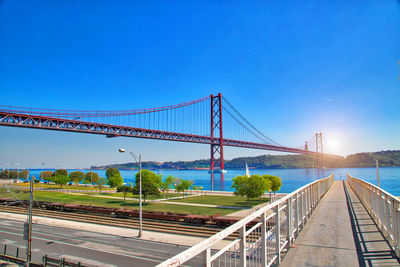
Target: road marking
(8,242)
(50,228)
(73,245)
(158,250)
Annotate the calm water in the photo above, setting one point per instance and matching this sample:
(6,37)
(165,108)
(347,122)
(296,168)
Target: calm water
(291,178)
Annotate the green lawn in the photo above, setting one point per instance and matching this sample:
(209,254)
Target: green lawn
(222,200)
(113,203)
(130,195)
(72,187)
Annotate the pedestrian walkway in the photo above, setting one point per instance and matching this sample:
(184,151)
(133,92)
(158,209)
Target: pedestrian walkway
(331,237)
(372,247)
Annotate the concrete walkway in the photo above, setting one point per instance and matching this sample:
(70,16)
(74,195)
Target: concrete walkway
(327,238)
(372,247)
(340,232)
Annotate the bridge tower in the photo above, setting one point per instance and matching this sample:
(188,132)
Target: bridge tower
(217,148)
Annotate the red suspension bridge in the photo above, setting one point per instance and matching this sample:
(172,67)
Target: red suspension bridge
(210,120)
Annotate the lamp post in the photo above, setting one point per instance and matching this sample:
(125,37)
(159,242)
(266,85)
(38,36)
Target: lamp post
(122,150)
(17,172)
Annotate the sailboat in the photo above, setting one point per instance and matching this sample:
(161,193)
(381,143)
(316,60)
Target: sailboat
(217,170)
(247,171)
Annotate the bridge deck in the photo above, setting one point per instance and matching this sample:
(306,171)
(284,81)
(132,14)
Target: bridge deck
(340,233)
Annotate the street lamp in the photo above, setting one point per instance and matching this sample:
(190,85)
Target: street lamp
(140,186)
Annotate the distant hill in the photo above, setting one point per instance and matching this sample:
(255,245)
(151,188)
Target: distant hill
(390,158)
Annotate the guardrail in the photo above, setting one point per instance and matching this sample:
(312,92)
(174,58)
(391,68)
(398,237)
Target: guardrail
(263,235)
(383,207)
(12,253)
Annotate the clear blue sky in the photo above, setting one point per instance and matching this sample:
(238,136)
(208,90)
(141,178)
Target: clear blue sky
(292,68)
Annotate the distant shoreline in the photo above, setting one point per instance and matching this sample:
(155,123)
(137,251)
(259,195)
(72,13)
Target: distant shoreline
(121,169)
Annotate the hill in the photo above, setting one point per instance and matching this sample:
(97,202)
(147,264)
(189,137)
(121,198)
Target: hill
(390,158)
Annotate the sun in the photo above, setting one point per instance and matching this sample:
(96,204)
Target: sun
(333,145)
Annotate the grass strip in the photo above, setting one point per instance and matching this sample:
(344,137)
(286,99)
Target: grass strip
(59,197)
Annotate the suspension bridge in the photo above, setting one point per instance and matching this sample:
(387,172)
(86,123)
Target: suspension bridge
(281,233)
(209,120)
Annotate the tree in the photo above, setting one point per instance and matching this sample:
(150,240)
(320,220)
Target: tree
(45,175)
(13,174)
(124,189)
(24,174)
(112,172)
(76,177)
(115,180)
(6,174)
(251,187)
(275,183)
(182,185)
(100,183)
(91,178)
(60,172)
(166,184)
(60,179)
(150,184)
(3,174)
(239,184)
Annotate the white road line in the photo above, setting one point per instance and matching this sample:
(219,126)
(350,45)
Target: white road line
(80,246)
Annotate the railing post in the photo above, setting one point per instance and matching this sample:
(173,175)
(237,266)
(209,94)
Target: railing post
(388,222)
(296,214)
(301,210)
(264,239)
(289,221)
(306,204)
(278,235)
(314,195)
(311,198)
(395,228)
(398,231)
(243,246)
(206,257)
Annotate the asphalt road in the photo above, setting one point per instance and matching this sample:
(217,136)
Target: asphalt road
(90,248)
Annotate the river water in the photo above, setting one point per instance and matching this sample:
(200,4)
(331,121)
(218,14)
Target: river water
(291,178)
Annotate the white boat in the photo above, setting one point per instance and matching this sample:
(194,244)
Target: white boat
(217,171)
(247,171)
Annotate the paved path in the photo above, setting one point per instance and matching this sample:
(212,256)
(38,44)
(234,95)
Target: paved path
(340,233)
(326,239)
(372,248)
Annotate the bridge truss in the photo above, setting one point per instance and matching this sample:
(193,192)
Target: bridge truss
(185,122)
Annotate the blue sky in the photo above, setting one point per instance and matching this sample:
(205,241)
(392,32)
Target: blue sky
(292,68)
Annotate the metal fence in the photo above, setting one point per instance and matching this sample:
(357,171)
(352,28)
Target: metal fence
(383,207)
(263,235)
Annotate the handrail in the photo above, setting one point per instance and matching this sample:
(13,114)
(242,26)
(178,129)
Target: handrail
(259,243)
(383,207)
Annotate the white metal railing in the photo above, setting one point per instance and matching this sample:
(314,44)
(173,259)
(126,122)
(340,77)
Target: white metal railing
(263,235)
(383,207)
